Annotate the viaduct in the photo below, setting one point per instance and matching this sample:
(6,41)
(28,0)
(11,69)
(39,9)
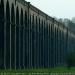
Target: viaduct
(29,38)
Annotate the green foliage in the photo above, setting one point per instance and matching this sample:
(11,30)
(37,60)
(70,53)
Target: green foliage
(70,59)
(41,70)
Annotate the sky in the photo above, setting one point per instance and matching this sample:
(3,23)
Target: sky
(56,8)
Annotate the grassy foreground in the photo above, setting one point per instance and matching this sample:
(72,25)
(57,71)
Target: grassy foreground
(46,70)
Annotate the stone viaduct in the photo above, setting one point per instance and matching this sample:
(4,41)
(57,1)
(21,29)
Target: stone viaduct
(29,38)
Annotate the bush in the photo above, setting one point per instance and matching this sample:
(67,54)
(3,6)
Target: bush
(70,59)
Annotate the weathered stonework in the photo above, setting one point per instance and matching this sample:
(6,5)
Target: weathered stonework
(30,38)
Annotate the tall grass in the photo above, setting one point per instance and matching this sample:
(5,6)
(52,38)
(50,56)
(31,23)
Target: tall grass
(41,70)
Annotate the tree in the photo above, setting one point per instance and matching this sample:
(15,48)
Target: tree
(70,59)
(73,19)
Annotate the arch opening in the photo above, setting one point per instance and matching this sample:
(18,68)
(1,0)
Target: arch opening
(42,42)
(33,40)
(12,37)
(17,39)
(25,58)
(37,42)
(2,34)
(7,35)
(21,39)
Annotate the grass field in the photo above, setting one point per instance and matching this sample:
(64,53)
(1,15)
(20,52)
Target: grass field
(46,70)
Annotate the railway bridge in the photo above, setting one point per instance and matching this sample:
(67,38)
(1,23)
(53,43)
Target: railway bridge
(29,38)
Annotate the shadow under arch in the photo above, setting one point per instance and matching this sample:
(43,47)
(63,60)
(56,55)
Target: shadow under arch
(7,35)
(2,34)
(33,35)
(17,39)
(12,37)
(2,8)
(37,52)
(25,36)
(42,42)
(21,38)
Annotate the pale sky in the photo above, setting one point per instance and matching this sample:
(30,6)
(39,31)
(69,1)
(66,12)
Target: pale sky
(57,8)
